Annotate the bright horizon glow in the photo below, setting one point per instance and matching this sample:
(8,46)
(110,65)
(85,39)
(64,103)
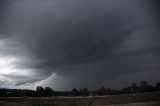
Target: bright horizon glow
(8,67)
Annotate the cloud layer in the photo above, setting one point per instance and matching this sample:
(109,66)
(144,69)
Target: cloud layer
(65,44)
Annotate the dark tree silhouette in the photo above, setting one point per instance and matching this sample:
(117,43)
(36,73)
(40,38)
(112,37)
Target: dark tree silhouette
(75,92)
(143,86)
(84,92)
(134,88)
(40,91)
(102,91)
(49,91)
(158,86)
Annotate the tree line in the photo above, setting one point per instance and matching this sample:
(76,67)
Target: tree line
(40,91)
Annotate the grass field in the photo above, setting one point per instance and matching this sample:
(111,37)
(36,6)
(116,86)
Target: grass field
(142,99)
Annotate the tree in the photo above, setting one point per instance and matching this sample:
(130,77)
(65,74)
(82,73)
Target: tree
(49,91)
(158,86)
(134,85)
(134,88)
(143,86)
(40,91)
(84,92)
(74,92)
(108,91)
(101,91)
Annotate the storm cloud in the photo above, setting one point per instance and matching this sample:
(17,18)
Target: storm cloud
(78,43)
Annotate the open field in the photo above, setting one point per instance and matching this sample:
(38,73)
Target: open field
(142,99)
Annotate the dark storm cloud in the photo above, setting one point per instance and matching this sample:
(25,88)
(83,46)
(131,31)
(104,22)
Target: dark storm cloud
(79,41)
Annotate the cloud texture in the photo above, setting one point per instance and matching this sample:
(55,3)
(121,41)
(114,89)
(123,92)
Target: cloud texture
(78,43)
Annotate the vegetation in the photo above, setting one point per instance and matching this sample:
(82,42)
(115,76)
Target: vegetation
(142,92)
(49,92)
(82,101)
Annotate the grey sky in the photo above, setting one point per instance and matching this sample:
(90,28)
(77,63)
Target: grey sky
(78,43)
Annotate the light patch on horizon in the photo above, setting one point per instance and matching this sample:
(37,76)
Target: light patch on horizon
(11,74)
(14,77)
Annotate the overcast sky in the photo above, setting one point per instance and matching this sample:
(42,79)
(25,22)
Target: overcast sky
(78,43)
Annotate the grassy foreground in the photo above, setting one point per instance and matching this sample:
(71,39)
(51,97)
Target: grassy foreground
(81,101)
